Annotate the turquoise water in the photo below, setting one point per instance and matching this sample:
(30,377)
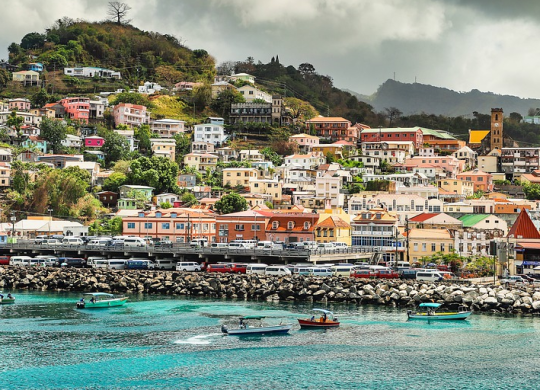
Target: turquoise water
(161,342)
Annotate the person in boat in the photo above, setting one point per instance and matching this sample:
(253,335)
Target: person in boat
(321,319)
(82,300)
(312,318)
(92,300)
(9,296)
(1,297)
(241,325)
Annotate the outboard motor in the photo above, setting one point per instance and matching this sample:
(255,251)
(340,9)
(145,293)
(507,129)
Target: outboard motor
(224,328)
(80,305)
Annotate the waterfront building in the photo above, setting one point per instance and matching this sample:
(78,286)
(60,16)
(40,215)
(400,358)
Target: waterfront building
(243,225)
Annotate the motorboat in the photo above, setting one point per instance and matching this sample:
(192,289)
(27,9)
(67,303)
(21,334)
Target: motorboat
(428,312)
(246,329)
(6,299)
(99,300)
(325,321)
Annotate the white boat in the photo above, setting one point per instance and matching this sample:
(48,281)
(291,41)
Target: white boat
(246,329)
(99,300)
(428,312)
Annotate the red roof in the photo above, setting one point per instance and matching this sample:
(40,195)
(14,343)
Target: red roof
(423,217)
(524,227)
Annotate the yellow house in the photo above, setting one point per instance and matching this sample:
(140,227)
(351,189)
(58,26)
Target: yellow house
(163,147)
(201,161)
(427,242)
(239,176)
(28,77)
(333,149)
(267,187)
(332,229)
(459,187)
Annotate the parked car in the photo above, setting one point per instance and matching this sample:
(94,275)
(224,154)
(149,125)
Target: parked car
(163,244)
(238,268)
(513,280)
(40,239)
(72,262)
(222,268)
(188,266)
(386,274)
(198,242)
(363,273)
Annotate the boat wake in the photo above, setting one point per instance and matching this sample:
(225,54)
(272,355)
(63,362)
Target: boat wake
(198,340)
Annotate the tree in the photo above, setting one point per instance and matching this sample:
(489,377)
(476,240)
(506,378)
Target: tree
(222,104)
(117,12)
(188,199)
(54,132)
(40,98)
(139,197)
(392,114)
(202,96)
(133,98)
(183,146)
(122,166)
(168,75)
(158,172)
(231,203)
(114,181)
(15,122)
(4,77)
(115,147)
(532,191)
(143,135)
(306,69)
(299,109)
(33,40)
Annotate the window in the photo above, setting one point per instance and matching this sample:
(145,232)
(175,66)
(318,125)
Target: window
(442,247)
(166,225)
(415,247)
(131,225)
(239,227)
(290,225)
(256,227)
(424,247)
(275,225)
(433,248)
(306,225)
(180,226)
(148,225)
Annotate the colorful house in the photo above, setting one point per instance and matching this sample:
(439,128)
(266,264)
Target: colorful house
(77,108)
(332,229)
(291,227)
(94,142)
(244,225)
(482,181)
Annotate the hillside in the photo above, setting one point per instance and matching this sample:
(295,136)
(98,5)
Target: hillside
(417,98)
(138,55)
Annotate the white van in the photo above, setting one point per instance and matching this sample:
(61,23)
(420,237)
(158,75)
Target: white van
(72,241)
(198,242)
(134,242)
(219,245)
(36,262)
(279,270)
(238,245)
(188,266)
(258,268)
(50,261)
(100,242)
(98,263)
(340,245)
(165,263)
(268,245)
(20,261)
(342,269)
(249,244)
(429,276)
(91,259)
(116,263)
(301,269)
(320,272)
(325,246)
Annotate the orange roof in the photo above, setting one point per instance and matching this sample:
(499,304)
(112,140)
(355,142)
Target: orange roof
(524,227)
(328,119)
(333,221)
(423,217)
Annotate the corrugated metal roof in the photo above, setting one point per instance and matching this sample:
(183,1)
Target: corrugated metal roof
(472,219)
(524,227)
(476,136)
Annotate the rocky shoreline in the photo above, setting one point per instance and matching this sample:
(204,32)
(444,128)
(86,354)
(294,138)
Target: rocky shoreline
(494,299)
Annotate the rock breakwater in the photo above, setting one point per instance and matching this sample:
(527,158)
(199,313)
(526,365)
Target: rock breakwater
(497,299)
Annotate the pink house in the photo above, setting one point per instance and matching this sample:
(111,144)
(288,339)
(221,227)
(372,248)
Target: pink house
(450,164)
(93,142)
(130,115)
(77,108)
(19,104)
(305,141)
(482,181)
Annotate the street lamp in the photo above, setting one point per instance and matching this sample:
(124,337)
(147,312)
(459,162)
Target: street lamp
(396,256)
(13,219)
(50,219)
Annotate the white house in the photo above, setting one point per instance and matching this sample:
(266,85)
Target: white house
(209,132)
(305,161)
(71,141)
(166,198)
(167,128)
(251,155)
(251,93)
(149,88)
(329,187)
(90,71)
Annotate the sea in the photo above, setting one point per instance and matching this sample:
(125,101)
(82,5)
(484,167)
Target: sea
(161,342)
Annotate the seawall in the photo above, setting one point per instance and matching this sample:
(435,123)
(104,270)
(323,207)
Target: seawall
(496,299)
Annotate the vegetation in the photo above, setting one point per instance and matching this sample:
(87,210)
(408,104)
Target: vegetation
(231,203)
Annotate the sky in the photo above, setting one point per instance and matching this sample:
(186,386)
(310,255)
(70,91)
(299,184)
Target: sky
(487,45)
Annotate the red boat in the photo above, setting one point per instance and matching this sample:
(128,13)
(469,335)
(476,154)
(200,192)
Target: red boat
(326,320)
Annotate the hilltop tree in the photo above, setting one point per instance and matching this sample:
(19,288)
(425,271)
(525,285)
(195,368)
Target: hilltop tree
(33,40)
(54,132)
(117,12)
(231,203)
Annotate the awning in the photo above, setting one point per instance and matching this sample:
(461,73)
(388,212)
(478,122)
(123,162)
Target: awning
(535,263)
(528,245)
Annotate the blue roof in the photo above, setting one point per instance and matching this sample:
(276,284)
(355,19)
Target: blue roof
(430,304)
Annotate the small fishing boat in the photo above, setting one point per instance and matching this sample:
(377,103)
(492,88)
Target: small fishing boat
(6,299)
(326,320)
(245,329)
(100,300)
(428,312)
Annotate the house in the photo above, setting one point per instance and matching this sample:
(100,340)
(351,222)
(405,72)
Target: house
(97,108)
(108,198)
(450,165)
(376,230)
(304,161)
(227,154)
(28,156)
(36,142)
(167,128)
(434,221)
(166,198)
(28,118)
(250,93)
(251,155)
(77,108)
(242,77)
(180,225)
(89,166)
(441,141)
(71,141)
(328,187)
(460,187)
(59,110)
(91,71)
(482,181)
(211,131)
(243,225)
(477,233)
(98,153)
(149,88)
(335,150)
(333,128)
(35,66)
(26,77)
(239,176)
(59,160)
(5,174)
(130,115)
(124,191)
(130,137)
(273,112)
(201,162)
(332,229)
(164,147)
(291,227)
(424,243)
(94,142)
(304,141)
(468,155)
(272,187)
(43,112)
(187,180)
(202,147)
(407,179)
(219,87)
(186,86)
(20,104)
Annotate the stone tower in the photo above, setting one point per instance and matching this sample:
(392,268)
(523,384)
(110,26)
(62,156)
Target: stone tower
(277,109)
(496,128)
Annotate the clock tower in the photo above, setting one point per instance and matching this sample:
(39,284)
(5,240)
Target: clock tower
(496,128)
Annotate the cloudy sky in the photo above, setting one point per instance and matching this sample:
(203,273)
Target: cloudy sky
(488,45)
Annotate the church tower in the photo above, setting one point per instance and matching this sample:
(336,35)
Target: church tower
(496,128)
